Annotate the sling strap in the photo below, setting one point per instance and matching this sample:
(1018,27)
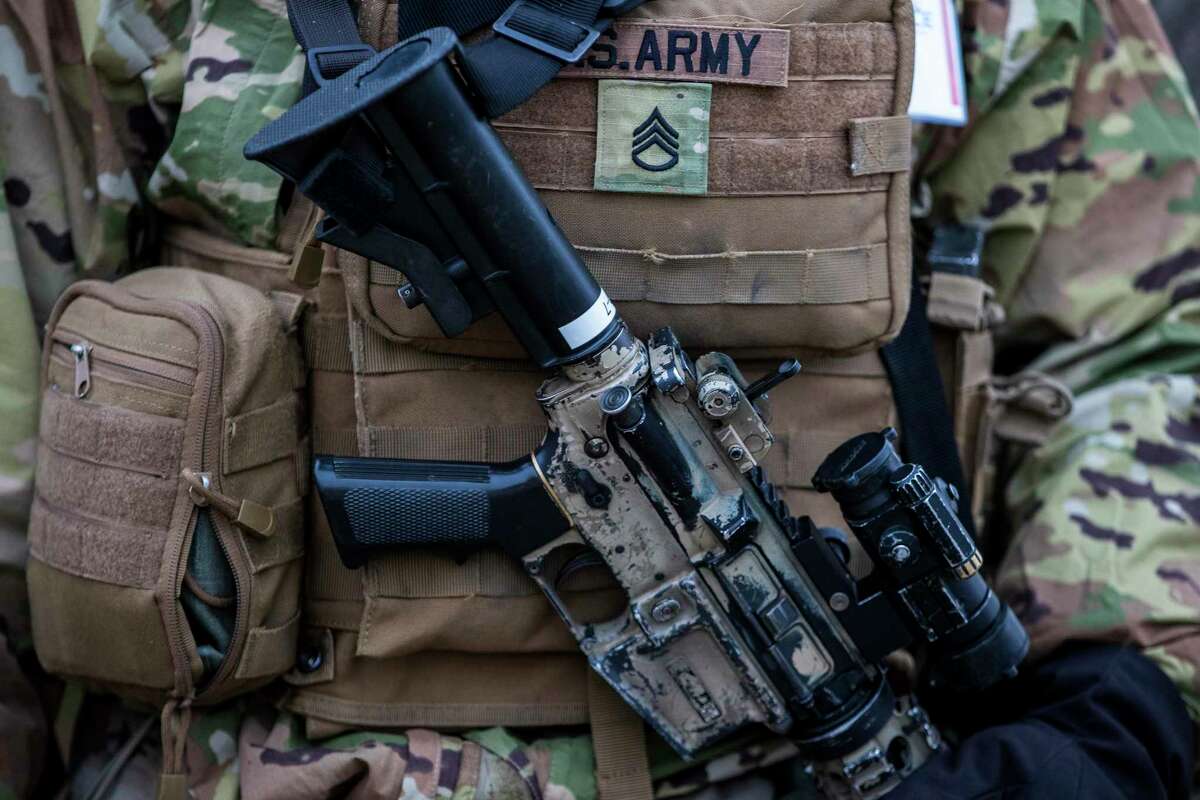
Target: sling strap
(327,32)
(532,41)
(911,363)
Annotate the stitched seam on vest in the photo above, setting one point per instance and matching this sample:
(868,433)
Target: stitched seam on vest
(464,442)
(812,165)
(805,277)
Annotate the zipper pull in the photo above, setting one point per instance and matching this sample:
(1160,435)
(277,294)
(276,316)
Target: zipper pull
(248,515)
(83,368)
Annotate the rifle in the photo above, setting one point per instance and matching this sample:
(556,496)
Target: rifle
(734,612)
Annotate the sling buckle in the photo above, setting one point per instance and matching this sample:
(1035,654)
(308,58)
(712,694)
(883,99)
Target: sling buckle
(540,28)
(328,63)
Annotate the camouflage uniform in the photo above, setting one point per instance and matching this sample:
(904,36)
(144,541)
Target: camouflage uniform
(1081,161)
(1083,167)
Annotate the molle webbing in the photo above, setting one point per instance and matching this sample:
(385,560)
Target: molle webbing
(790,247)
(619,739)
(799,277)
(880,145)
(804,241)
(261,436)
(330,346)
(805,277)
(763,141)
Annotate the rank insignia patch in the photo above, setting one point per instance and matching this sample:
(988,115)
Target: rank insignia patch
(652,137)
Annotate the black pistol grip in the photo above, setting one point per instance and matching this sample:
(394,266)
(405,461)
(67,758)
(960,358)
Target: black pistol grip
(378,504)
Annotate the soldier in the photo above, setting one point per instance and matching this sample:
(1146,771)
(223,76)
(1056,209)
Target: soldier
(1080,161)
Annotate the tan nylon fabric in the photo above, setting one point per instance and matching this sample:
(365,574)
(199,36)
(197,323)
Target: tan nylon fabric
(622,769)
(805,277)
(880,144)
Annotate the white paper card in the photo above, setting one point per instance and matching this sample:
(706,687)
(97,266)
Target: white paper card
(939,91)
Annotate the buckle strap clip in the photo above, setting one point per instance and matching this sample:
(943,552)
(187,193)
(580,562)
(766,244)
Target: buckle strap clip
(527,22)
(328,63)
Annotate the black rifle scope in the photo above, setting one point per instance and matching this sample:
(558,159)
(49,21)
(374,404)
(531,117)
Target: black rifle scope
(928,563)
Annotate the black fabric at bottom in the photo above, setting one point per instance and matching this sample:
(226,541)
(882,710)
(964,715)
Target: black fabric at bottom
(1091,722)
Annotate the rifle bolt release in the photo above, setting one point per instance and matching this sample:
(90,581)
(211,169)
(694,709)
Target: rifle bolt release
(596,447)
(839,601)
(665,610)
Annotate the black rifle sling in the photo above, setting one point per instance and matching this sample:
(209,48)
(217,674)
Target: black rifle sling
(926,426)
(533,40)
(327,32)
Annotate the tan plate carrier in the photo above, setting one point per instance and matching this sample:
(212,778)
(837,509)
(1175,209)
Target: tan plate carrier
(799,247)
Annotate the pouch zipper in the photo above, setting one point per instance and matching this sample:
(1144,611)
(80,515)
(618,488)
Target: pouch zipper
(209,450)
(89,358)
(81,352)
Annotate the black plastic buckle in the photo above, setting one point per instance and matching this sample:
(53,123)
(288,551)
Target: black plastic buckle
(957,249)
(315,54)
(590,34)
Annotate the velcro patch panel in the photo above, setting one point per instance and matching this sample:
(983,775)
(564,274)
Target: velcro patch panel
(652,137)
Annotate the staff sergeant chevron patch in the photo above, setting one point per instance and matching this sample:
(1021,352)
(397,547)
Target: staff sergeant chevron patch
(656,132)
(652,137)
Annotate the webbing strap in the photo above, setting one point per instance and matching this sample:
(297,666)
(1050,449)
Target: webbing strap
(880,145)
(926,426)
(798,277)
(434,715)
(261,436)
(534,40)
(327,32)
(619,742)
(506,72)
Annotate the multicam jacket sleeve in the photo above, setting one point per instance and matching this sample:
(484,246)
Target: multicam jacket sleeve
(1083,164)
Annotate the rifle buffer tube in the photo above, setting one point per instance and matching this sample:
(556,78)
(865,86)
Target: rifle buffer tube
(397,150)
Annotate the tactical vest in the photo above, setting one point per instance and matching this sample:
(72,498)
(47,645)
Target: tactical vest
(736,170)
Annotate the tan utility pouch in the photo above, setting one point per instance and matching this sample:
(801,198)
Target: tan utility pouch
(167,531)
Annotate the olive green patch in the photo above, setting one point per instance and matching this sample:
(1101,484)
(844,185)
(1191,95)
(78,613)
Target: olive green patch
(652,137)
